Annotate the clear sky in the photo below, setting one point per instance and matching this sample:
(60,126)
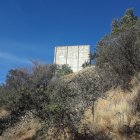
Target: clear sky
(30,29)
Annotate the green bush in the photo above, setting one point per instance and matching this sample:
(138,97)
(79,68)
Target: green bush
(63,70)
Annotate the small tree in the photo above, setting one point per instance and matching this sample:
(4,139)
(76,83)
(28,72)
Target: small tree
(86,64)
(64,70)
(16,78)
(43,73)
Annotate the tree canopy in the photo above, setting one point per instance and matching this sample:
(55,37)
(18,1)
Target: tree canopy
(126,22)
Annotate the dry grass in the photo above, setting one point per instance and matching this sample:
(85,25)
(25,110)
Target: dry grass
(87,120)
(23,130)
(116,111)
(4,112)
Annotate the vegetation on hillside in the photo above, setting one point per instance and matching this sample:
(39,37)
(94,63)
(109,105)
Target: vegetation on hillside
(117,55)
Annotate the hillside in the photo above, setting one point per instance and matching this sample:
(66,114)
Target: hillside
(100,102)
(112,117)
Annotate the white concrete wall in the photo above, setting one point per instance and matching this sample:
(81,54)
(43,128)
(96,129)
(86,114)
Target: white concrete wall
(72,59)
(74,56)
(84,52)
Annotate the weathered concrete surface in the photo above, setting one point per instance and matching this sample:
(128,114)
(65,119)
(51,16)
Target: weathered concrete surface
(74,56)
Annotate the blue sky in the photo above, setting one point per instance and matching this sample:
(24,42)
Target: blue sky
(30,29)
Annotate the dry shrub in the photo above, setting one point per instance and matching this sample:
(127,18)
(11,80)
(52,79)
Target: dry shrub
(86,72)
(55,133)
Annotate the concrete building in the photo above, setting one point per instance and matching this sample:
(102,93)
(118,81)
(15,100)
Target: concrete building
(74,56)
